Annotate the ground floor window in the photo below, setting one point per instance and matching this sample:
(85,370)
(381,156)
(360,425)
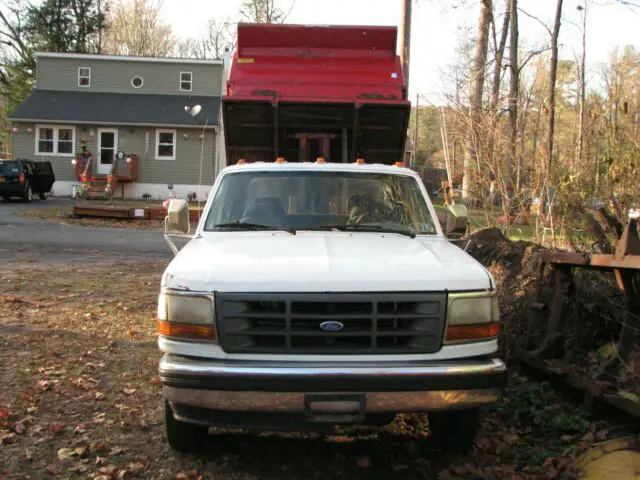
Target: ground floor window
(165,144)
(54,140)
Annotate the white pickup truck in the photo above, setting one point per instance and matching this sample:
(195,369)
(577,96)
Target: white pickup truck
(316,294)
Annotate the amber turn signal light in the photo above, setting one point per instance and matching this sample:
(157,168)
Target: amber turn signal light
(460,333)
(187,330)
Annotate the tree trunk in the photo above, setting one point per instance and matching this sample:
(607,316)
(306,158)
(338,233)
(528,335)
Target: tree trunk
(497,69)
(475,100)
(552,86)
(514,93)
(582,86)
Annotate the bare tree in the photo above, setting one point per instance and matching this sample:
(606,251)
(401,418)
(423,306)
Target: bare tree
(499,56)
(553,74)
(514,93)
(219,36)
(136,28)
(582,82)
(263,11)
(475,97)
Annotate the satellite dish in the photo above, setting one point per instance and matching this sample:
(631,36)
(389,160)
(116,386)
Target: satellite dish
(195,110)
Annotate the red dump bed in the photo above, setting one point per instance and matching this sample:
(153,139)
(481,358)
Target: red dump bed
(302,92)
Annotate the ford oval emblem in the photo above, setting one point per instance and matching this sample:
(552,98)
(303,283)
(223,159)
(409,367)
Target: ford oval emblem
(331,326)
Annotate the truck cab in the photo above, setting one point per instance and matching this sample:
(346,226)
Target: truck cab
(319,294)
(319,287)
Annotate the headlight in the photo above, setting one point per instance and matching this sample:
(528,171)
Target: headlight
(472,317)
(185,308)
(187,315)
(470,308)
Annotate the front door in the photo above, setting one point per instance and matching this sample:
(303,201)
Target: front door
(107,148)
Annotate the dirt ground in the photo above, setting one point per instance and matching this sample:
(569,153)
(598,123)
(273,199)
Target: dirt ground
(80,398)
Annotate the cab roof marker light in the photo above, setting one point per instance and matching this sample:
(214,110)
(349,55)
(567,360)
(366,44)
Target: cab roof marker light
(241,161)
(280,160)
(360,161)
(398,164)
(320,160)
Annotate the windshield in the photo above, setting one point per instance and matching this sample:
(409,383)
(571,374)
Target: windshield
(312,200)
(9,167)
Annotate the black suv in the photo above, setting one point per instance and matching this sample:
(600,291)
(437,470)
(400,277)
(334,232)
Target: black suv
(24,178)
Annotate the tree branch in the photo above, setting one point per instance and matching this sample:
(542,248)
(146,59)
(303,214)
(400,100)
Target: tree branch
(531,55)
(546,27)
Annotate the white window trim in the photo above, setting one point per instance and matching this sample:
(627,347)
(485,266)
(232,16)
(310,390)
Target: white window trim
(84,76)
(55,140)
(190,82)
(175,138)
(133,78)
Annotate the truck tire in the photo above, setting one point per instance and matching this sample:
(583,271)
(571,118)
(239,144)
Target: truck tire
(182,436)
(27,193)
(454,431)
(43,196)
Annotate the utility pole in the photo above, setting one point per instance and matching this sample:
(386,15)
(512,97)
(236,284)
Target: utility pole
(405,47)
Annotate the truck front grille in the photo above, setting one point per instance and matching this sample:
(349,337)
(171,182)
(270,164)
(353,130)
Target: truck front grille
(372,323)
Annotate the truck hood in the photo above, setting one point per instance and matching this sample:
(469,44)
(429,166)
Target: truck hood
(323,262)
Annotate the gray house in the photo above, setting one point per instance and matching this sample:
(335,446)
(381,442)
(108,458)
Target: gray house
(134,105)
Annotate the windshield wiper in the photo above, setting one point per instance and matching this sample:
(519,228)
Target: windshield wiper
(238,225)
(363,227)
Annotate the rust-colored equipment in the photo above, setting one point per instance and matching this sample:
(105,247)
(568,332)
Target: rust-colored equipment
(624,262)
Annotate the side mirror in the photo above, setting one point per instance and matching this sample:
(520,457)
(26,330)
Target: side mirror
(457,219)
(177,216)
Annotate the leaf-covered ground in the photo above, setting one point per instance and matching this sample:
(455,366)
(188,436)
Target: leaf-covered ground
(80,398)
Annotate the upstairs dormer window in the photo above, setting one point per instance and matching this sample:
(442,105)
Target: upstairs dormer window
(84,77)
(186,81)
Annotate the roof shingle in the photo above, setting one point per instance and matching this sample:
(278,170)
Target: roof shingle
(116,108)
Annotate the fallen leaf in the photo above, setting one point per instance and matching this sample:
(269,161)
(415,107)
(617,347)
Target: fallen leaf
(54,469)
(28,454)
(511,439)
(79,467)
(32,410)
(483,443)
(101,461)
(364,462)
(108,470)
(79,429)
(116,450)
(128,391)
(57,427)
(400,467)
(6,438)
(99,396)
(81,451)
(65,454)
(135,467)
(445,475)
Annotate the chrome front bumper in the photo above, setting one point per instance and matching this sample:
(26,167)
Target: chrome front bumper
(317,391)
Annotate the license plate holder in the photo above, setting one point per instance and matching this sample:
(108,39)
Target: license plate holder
(335,408)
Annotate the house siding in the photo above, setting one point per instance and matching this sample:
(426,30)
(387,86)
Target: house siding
(115,76)
(184,169)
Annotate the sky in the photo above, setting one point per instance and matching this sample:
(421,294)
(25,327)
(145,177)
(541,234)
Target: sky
(436,28)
